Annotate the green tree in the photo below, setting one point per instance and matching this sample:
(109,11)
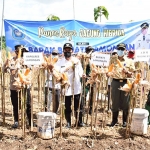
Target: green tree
(99,12)
(53,18)
(3,42)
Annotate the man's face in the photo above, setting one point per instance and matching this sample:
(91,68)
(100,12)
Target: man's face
(67,49)
(144,31)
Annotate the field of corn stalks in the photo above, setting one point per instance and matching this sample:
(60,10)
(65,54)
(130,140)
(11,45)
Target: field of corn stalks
(101,138)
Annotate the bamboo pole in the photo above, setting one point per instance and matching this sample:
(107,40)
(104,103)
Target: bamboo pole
(23,119)
(21,98)
(61,99)
(18,108)
(83,80)
(43,91)
(3,98)
(53,94)
(38,88)
(88,104)
(93,103)
(32,95)
(24,97)
(97,106)
(40,80)
(78,111)
(130,114)
(47,92)
(141,89)
(73,93)
(105,93)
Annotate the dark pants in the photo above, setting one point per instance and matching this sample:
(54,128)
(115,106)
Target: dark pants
(14,101)
(108,93)
(76,104)
(120,100)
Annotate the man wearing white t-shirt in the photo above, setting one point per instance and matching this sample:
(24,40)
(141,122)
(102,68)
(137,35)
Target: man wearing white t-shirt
(65,65)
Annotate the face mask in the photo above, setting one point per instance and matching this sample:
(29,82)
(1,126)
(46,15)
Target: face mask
(67,54)
(54,56)
(120,53)
(144,31)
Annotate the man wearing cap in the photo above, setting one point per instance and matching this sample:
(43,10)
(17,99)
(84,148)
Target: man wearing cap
(55,90)
(143,41)
(120,101)
(66,65)
(14,89)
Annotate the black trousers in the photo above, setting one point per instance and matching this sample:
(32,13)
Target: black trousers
(120,100)
(68,100)
(14,101)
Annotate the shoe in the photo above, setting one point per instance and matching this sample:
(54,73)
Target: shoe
(68,119)
(124,124)
(68,125)
(114,118)
(81,124)
(15,125)
(125,116)
(113,124)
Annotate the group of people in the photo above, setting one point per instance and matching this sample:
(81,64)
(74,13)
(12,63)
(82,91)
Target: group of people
(120,101)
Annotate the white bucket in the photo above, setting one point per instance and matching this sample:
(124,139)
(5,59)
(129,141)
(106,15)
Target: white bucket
(46,124)
(139,122)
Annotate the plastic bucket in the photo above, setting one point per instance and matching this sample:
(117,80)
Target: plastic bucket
(139,122)
(46,124)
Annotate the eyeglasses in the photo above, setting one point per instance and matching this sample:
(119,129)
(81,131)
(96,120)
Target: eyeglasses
(121,49)
(54,54)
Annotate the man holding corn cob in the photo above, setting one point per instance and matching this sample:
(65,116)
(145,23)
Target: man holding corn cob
(72,67)
(122,70)
(15,65)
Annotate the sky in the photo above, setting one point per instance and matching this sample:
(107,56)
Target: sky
(39,10)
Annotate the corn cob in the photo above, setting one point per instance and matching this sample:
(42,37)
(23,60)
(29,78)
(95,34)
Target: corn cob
(54,60)
(129,84)
(137,78)
(20,76)
(119,63)
(19,53)
(27,72)
(9,55)
(110,67)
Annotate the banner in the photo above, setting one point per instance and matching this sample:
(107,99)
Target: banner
(44,36)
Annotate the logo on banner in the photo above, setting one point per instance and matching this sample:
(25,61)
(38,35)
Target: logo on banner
(17,34)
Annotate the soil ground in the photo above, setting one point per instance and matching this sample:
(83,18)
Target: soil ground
(103,138)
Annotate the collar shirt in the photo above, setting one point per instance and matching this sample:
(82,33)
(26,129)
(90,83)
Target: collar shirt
(128,64)
(62,65)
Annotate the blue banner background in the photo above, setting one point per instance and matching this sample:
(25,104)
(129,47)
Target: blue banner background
(45,36)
